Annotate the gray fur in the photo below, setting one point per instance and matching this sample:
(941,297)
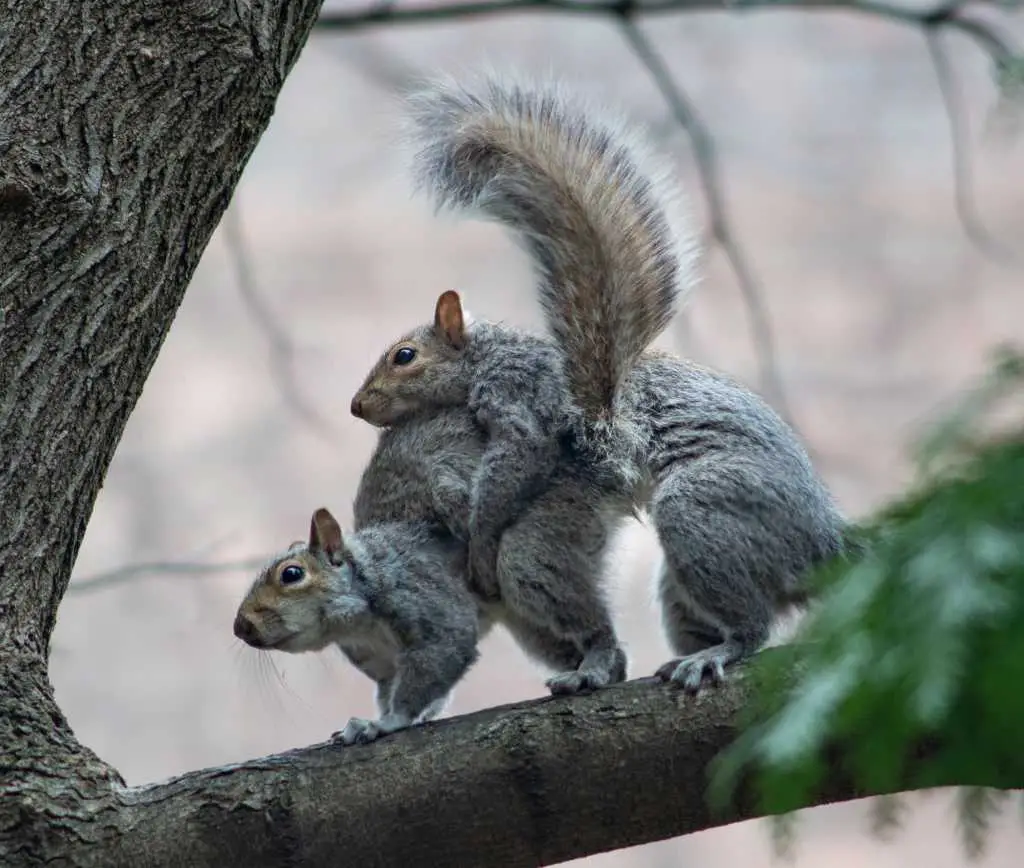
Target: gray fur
(395,602)
(584,196)
(739,511)
(596,209)
(424,626)
(547,591)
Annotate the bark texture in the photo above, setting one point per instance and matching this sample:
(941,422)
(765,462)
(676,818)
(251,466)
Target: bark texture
(123,129)
(522,785)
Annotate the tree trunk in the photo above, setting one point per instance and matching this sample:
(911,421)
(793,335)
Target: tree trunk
(124,127)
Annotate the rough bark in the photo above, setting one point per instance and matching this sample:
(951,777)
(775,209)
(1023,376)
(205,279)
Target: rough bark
(518,786)
(123,129)
(522,785)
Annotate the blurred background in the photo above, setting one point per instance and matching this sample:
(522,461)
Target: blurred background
(836,170)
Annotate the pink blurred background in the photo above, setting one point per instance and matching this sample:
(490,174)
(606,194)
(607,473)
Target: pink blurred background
(837,162)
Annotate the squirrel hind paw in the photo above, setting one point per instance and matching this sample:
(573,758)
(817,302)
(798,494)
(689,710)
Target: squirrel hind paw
(599,668)
(570,683)
(583,680)
(691,672)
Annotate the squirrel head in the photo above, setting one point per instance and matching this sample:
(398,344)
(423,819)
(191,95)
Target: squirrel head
(304,597)
(424,370)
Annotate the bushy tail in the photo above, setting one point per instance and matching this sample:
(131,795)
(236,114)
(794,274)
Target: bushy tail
(586,200)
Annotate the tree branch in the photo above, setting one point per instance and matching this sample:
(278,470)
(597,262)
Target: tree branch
(685,114)
(133,572)
(987,35)
(518,786)
(124,127)
(963,186)
(282,350)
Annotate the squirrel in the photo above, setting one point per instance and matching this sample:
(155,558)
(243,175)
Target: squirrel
(739,511)
(550,596)
(393,597)
(536,411)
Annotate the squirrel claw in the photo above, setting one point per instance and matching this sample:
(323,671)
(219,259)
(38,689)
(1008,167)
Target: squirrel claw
(689,672)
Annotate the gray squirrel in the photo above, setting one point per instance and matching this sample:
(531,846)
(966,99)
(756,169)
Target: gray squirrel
(551,486)
(739,511)
(393,597)
(550,598)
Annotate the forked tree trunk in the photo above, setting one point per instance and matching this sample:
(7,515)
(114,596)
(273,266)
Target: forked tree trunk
(124,127)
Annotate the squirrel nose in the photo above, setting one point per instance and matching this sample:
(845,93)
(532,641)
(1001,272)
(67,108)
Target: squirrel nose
(357,407)
(246,630)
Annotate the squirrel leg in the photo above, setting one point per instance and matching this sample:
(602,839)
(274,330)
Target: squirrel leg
(550,565)
(713,611)
(713,586)
(385,688)
(427,675)
(419,689)
(575,672)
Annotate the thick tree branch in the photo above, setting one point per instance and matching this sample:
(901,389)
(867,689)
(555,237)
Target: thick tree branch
(523,785)
(124,126)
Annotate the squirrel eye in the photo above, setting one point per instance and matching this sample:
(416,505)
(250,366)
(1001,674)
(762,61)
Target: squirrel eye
(404,355)
(292,574)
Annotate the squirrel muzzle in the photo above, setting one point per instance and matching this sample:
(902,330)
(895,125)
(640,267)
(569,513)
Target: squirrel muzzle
(247,631)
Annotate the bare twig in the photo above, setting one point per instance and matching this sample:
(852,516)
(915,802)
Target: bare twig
(947,14)
(685,114)
(966,207)
(132,572)
(282,351)
(383,68)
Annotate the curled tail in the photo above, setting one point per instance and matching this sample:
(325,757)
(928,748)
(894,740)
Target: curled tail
(583,197)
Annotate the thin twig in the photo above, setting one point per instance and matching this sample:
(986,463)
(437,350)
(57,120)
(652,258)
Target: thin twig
(381,67)
(282,351)
(706,156)
(132,572)
(963,185)
(945,14)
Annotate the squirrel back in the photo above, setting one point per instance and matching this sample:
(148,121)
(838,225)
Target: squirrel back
(589,204)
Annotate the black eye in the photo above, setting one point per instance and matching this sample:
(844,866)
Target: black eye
(404,355)
(292,574)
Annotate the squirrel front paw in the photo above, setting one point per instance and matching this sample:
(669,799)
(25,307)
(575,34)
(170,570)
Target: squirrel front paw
(358,731)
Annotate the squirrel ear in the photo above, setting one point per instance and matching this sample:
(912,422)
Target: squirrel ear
(449,322)
(325,536)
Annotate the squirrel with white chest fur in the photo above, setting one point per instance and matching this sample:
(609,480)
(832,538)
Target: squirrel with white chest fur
(423,478)
(393,598)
